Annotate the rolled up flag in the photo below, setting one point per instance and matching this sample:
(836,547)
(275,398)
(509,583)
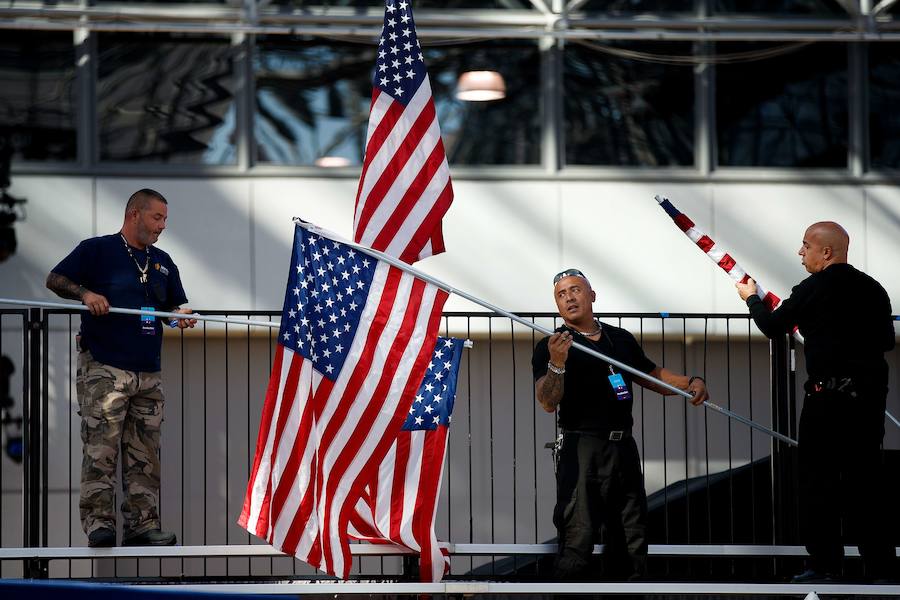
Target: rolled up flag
(716,253)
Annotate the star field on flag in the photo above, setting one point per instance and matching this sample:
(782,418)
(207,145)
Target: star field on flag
(433,403)
(328,286)
(400,67)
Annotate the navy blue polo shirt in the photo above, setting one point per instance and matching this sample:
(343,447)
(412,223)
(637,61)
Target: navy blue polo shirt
(103,266)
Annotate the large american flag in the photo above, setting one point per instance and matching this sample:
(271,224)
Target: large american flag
(715,253)
(404,189)
(400,506)
(356,336)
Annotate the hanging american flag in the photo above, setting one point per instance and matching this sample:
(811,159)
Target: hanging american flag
(401,506)
(714,252)
(356,336)
(404,189)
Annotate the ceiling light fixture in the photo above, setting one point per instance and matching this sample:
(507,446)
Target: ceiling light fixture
(480,86)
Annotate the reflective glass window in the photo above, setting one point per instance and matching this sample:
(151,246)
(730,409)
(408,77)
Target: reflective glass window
(786,111)
(822,8)
(37,102)
(166,98)
(313,98)
(884,105)
(637,6)
(183,2)
(418,5)
(497,132)
(625,111)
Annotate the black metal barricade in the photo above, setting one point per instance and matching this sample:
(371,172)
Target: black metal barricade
(710,480)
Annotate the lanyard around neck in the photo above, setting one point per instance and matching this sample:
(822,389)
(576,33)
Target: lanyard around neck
(143,270)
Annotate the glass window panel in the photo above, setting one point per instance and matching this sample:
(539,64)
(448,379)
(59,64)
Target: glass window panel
(313,98)
(787,111)
(622,111)
(418,5)
(37,104)
(500,132)
(824,8)
(166,98)
(884,105)
(637,6)
(184,2)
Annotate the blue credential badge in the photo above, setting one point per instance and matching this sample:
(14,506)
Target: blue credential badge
(148,322)
(618,385)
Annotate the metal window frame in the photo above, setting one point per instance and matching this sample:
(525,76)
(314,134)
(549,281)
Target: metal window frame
(550,28)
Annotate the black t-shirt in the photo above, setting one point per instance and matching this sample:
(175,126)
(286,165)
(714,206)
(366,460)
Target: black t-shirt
(103,266)
(589,402)
(845,319)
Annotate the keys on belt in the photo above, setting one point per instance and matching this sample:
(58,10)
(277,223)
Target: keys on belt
(840,384)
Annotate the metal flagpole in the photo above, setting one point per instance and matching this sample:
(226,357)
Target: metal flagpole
(450,289)
(134,311)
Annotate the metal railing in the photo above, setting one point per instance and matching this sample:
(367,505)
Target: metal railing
(498,489)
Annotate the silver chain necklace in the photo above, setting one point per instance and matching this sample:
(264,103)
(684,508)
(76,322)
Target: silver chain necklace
(143,270)
(581,333)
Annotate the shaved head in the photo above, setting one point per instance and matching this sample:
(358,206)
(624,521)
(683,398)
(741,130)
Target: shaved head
(825,243)
(829,233)
(142,199)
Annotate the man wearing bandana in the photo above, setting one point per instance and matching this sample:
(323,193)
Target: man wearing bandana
(599,480)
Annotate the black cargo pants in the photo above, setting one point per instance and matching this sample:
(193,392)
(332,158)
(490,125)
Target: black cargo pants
(600,487)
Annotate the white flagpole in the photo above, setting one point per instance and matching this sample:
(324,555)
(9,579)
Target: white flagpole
(134,311)
(450,289)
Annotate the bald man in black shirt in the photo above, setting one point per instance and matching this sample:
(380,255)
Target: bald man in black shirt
(845,318)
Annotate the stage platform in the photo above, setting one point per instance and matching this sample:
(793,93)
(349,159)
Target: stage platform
(457,586)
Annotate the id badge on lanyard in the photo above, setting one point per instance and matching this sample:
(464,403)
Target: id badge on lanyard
(618,385)
(148,322)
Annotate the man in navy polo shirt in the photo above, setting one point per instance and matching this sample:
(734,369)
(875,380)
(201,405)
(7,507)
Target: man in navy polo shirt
(119,384)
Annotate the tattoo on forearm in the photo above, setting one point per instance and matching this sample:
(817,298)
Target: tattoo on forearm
(551,390)
(64,287)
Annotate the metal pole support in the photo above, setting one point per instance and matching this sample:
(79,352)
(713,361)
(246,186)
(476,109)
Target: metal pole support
(784,457)
(33,460)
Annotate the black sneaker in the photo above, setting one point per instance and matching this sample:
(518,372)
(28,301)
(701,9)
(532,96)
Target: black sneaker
(811,576)
(154,537)
(102,538)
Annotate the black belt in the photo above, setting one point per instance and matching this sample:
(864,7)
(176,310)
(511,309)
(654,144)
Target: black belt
(613,435)
(840,384)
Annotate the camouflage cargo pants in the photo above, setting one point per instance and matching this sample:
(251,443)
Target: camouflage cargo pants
(124,409)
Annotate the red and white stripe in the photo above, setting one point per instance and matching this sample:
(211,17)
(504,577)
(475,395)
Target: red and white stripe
(401,506)
(321,441)
(716,253)
(405,189)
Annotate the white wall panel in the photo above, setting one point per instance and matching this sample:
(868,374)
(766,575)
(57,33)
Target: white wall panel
(325,202)
(635,257)
(503,243)
(762,225)
(207,235)
(231,237)
(59,214)
(882,239)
